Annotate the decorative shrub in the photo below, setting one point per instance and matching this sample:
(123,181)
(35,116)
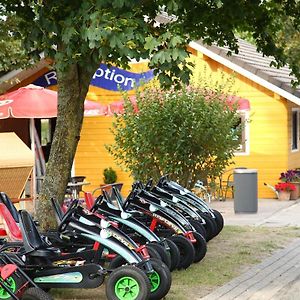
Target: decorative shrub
(190,134)
(109,176)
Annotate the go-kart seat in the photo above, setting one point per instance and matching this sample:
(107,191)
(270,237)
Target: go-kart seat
(33,242)
(89,200)
(12,229)
(10,206)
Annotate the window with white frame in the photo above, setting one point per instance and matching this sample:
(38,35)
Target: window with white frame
(295,129)
(244,135)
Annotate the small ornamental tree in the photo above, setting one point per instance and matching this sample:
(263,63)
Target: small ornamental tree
(187,133)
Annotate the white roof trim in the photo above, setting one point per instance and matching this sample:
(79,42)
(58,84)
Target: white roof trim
(245,72)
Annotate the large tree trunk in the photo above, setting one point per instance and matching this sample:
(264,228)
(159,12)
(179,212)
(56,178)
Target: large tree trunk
(73,86)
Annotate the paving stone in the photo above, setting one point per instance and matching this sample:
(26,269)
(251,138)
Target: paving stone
(266,279)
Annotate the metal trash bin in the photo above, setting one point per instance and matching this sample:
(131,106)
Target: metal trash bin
(245,191)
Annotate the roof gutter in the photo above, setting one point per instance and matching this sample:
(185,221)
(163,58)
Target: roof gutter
(245,73)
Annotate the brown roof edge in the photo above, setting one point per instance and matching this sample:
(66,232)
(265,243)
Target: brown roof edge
(13,78)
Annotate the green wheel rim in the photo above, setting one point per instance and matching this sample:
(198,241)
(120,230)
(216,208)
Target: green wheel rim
(127,288)
(11,284)
(154,281)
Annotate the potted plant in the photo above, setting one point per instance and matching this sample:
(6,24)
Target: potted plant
(284,190)
(292,176)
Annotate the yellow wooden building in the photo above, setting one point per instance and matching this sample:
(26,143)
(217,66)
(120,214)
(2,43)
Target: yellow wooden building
(271,135)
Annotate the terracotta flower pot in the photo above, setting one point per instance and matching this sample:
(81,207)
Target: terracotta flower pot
(296,193)
(284,196)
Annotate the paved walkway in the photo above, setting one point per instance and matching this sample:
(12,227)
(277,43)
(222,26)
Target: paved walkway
(276,278)
(271,212)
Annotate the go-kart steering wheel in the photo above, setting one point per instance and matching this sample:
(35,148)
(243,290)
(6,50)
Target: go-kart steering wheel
(149,184)
(97,202)
(129,199)
(66,217)
(163,179)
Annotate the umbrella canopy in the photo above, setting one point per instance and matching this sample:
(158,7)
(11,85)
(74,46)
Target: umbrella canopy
(34,101)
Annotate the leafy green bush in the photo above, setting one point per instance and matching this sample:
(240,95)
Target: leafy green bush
(189,133)
(109,176)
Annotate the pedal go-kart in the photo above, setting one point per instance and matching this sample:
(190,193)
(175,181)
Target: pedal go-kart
(36,260)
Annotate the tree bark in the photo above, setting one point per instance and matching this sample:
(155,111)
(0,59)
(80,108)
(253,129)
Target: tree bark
(73,84)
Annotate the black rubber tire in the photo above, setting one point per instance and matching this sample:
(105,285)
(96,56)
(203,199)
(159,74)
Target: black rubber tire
(175,254)
(219,220)
(165,257)
(153,253)
(165,279)
(186,250)
(18,284)
(199,227)
(128,271)
(210,227)
(200,247)
(117,262)
(34,293)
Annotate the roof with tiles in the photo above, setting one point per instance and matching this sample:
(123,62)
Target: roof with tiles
(249,59)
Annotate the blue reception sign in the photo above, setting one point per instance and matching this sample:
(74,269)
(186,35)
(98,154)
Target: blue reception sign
(113,78)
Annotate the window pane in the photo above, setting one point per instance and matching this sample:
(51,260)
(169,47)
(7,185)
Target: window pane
(45,132)
(295,130)
(242,135)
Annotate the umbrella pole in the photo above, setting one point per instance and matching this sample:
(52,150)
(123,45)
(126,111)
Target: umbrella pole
(32,128)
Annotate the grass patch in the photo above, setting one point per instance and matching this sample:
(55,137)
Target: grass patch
(228,255)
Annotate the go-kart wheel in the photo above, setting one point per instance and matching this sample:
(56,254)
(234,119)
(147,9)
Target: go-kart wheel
(210,227)
(199,227)
(219,220)
(175,254)
(14,283)
(34,293)
(117,262)
(160,280)
(186,250)
(127,282)
(66,217)
(165,257)
(200,247)
(153,253)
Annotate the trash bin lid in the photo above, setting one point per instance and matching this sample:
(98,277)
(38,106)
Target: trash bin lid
(245,171)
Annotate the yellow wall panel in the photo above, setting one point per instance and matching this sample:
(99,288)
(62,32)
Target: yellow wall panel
(92,157)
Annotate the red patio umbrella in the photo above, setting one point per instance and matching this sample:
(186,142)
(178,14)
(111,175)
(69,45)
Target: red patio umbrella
(34,101)
(117,107)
